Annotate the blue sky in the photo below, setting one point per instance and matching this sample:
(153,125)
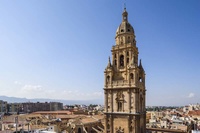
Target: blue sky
(59,49)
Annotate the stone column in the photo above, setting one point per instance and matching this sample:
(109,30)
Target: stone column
(106,100)
(106,123)
(135,130)
(111,124)
(128,118)
(105,80)
(129,100)
(118,62)
(111,97)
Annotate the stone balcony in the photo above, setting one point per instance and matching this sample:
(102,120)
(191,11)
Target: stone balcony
(122,84)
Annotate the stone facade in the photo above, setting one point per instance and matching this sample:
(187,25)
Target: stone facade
(124,86)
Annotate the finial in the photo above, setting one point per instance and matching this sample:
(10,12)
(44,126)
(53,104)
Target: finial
(140,65)
(109,64)
(125,5)
(125,14)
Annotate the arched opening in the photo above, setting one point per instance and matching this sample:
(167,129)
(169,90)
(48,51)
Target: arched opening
(119,104)
(108,79)
(129,40)
(131,76)
(135,59)
(140,79)
(127,53)
(121,40)
(86,129)
(79,130)
(115,62)
(121,60)
(127,60)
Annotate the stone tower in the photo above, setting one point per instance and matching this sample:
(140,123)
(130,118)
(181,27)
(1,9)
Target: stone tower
(124,86)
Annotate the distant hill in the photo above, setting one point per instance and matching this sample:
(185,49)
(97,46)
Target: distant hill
(69,102)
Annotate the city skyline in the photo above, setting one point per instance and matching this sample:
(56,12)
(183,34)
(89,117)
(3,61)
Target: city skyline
(60,49)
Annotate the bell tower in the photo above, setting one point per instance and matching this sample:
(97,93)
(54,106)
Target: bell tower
(124,86)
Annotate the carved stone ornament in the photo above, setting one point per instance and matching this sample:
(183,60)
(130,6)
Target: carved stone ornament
(120,96)
(119,130)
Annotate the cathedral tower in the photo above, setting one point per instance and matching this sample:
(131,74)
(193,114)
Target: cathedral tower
(124,86)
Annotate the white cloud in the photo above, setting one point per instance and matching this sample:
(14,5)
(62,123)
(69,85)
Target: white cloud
(191,95)
(79,95)
(32,88)
(98,93)
(39,91)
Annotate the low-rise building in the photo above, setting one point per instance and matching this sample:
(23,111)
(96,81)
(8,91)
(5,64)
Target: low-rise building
(14,108)
(3,106)
(54,106)
(29,107)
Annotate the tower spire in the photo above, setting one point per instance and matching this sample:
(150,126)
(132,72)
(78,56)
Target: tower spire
(109,64)
(140,65)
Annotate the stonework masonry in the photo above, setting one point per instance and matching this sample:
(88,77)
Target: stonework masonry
(124,85)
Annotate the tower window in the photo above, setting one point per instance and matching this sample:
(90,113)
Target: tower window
(119,105)
(127,60)
(122,30)
(140,79)
(121,60)
(79,130)
(128,30)
(121,40)
(135,59)
(131,76)
(108,79)
(129,39)
(115,62)
(115,56)
(127,53)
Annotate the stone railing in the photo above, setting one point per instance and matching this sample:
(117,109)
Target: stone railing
(119,83)
(123,83)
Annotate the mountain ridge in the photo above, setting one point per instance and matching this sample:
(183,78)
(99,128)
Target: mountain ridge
(65,102)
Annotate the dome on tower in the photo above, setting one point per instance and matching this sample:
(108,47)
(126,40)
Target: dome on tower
(125,26)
